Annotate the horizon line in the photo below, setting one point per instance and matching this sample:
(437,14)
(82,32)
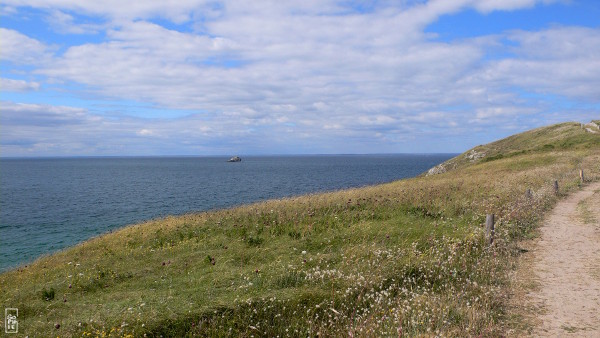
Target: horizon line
(221,155)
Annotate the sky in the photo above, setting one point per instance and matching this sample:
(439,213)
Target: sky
(198,77)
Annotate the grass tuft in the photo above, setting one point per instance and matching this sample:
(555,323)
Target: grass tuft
(48,295)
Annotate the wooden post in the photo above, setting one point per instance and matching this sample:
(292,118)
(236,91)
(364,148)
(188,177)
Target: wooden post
(528,194)
(581,176)
(556,187)
(489,228)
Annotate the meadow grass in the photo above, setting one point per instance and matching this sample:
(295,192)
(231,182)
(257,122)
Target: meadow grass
(407,258)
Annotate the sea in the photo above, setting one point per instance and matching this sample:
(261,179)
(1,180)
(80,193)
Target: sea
(48,204)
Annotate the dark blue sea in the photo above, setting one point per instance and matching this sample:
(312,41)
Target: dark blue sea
(47,204)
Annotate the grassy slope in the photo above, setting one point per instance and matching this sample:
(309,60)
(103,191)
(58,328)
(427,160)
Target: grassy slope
(408,256)
(559,137)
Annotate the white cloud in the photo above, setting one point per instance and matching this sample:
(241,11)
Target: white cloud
(146,132)
(178,11)
(45,130)
(19,48)
(39,130)
(65,23)
(561,61)
(307,72)
(345,87)
(11,85)
(487,6)
(7,10)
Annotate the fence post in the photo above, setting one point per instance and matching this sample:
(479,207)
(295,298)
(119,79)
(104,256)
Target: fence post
(528,194)
(581,176)
(556,187)
(489,228)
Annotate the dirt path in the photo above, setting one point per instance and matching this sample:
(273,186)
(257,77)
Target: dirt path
(566,265)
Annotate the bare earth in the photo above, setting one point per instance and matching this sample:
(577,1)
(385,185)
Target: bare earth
(566,265)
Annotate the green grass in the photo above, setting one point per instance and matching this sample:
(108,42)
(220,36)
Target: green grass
(570,328)
(559,137)
(405,257)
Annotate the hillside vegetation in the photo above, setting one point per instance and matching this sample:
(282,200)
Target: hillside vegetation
(565,136)
(406,258)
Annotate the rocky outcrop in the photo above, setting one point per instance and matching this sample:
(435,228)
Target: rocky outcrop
(235,159)
(474,155)
(438,169)
(471,156)
(592,127)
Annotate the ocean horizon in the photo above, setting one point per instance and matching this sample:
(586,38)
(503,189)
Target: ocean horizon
(50,203)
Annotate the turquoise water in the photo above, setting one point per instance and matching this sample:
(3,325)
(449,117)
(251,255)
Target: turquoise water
(51,203)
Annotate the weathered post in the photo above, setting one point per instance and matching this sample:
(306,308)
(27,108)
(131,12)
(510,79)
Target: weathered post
(528,194)
(556,187)
(489,228)
(581,176)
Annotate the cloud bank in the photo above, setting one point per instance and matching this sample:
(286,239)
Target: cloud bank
(284,77)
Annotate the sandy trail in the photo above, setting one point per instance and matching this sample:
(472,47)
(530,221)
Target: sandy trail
(566,265)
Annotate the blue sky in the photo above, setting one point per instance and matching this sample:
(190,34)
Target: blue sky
(196,77)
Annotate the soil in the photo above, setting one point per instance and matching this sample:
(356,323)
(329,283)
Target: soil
(564,268)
